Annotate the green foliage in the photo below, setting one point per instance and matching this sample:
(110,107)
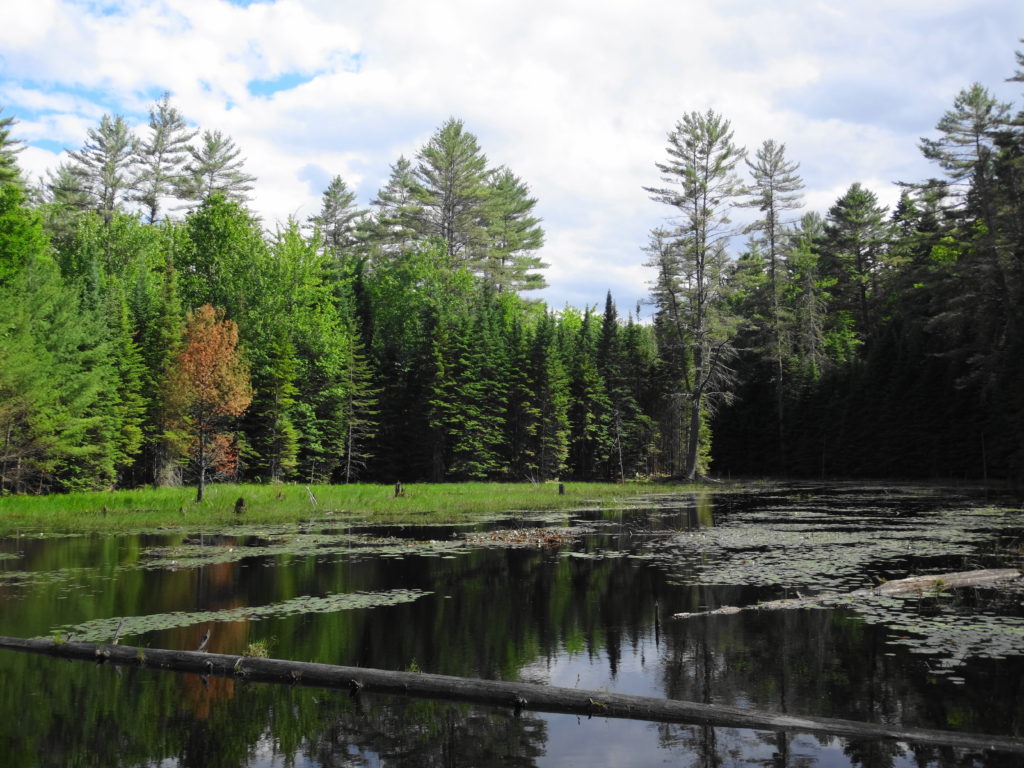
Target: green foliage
(161,157)
(9,149)
(106,164)
(394,344)
(216,168)
(21,234)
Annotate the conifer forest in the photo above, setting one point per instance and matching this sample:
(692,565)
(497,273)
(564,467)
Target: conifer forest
(153,331)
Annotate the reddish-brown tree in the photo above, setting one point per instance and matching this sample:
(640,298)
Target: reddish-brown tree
(208,388)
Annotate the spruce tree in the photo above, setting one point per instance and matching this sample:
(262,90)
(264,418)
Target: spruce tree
(395,220)
(854,252)
(340,218)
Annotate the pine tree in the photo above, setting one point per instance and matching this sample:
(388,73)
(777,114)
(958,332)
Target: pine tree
(702,188)
(106,164)
(776,190)
(514,235)
(396,214)
(9,149)
(162,156)
(450,188)
(216,167)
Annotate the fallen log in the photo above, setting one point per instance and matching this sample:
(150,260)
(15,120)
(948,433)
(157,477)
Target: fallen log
(915,585)
(516,696)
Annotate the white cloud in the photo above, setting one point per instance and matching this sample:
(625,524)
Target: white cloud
(576,97)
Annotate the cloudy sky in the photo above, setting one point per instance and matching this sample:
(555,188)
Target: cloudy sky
(576,97)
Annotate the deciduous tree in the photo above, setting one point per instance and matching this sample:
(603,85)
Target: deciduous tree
(209,386)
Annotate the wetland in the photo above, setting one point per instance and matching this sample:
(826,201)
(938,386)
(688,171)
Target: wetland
(580,599)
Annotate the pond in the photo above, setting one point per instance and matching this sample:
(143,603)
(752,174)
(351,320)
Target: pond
(583,600)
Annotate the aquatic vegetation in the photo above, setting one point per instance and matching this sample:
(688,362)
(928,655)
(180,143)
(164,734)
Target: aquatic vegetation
(798,546)
(104,630)
(819,543)
(526,537)
(949,635)
(194,555)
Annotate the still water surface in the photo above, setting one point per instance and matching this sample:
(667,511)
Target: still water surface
(585,601)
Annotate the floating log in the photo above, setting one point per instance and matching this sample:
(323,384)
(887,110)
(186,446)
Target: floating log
(515,696)
(915,585)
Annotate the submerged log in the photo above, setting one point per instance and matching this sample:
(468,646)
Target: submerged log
(515,696)
(915,585)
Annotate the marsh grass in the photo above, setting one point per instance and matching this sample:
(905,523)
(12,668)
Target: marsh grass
(151,508)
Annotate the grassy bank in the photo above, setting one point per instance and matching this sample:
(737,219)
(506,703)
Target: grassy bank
(281,504)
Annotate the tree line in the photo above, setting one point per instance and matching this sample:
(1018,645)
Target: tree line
(154,331)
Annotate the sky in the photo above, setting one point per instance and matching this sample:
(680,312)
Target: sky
(576,97)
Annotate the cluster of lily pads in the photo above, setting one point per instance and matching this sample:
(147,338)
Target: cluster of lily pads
(816,546)
(105,630)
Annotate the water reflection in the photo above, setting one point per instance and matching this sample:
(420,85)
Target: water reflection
(595,615)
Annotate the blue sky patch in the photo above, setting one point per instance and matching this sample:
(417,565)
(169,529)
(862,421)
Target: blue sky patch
(283,82)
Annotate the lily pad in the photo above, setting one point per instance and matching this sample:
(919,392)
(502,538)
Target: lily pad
(104,630)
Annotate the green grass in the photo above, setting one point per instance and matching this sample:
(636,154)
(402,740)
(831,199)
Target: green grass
(151,508)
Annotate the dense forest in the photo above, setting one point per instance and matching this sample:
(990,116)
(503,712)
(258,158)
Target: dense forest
(154,331)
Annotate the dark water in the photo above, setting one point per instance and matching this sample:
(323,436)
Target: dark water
(594,613)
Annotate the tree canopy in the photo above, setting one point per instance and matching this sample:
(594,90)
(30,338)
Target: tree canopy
(154,330)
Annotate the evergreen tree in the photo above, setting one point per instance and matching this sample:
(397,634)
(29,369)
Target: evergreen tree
(9,149)
(106,164)
(854,253)
(776,189)
(66,195)
(159,328)
(451,190)
(162,156)
(339,218)
(702,187)
(216,167)
(514,234)
(589,407)
(469,394)
(395,220)
(550,436)
(359,410)
(56,374)
(809,297)
(272,435)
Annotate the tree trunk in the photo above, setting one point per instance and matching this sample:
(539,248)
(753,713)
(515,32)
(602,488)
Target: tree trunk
(201,483)
(530,696)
